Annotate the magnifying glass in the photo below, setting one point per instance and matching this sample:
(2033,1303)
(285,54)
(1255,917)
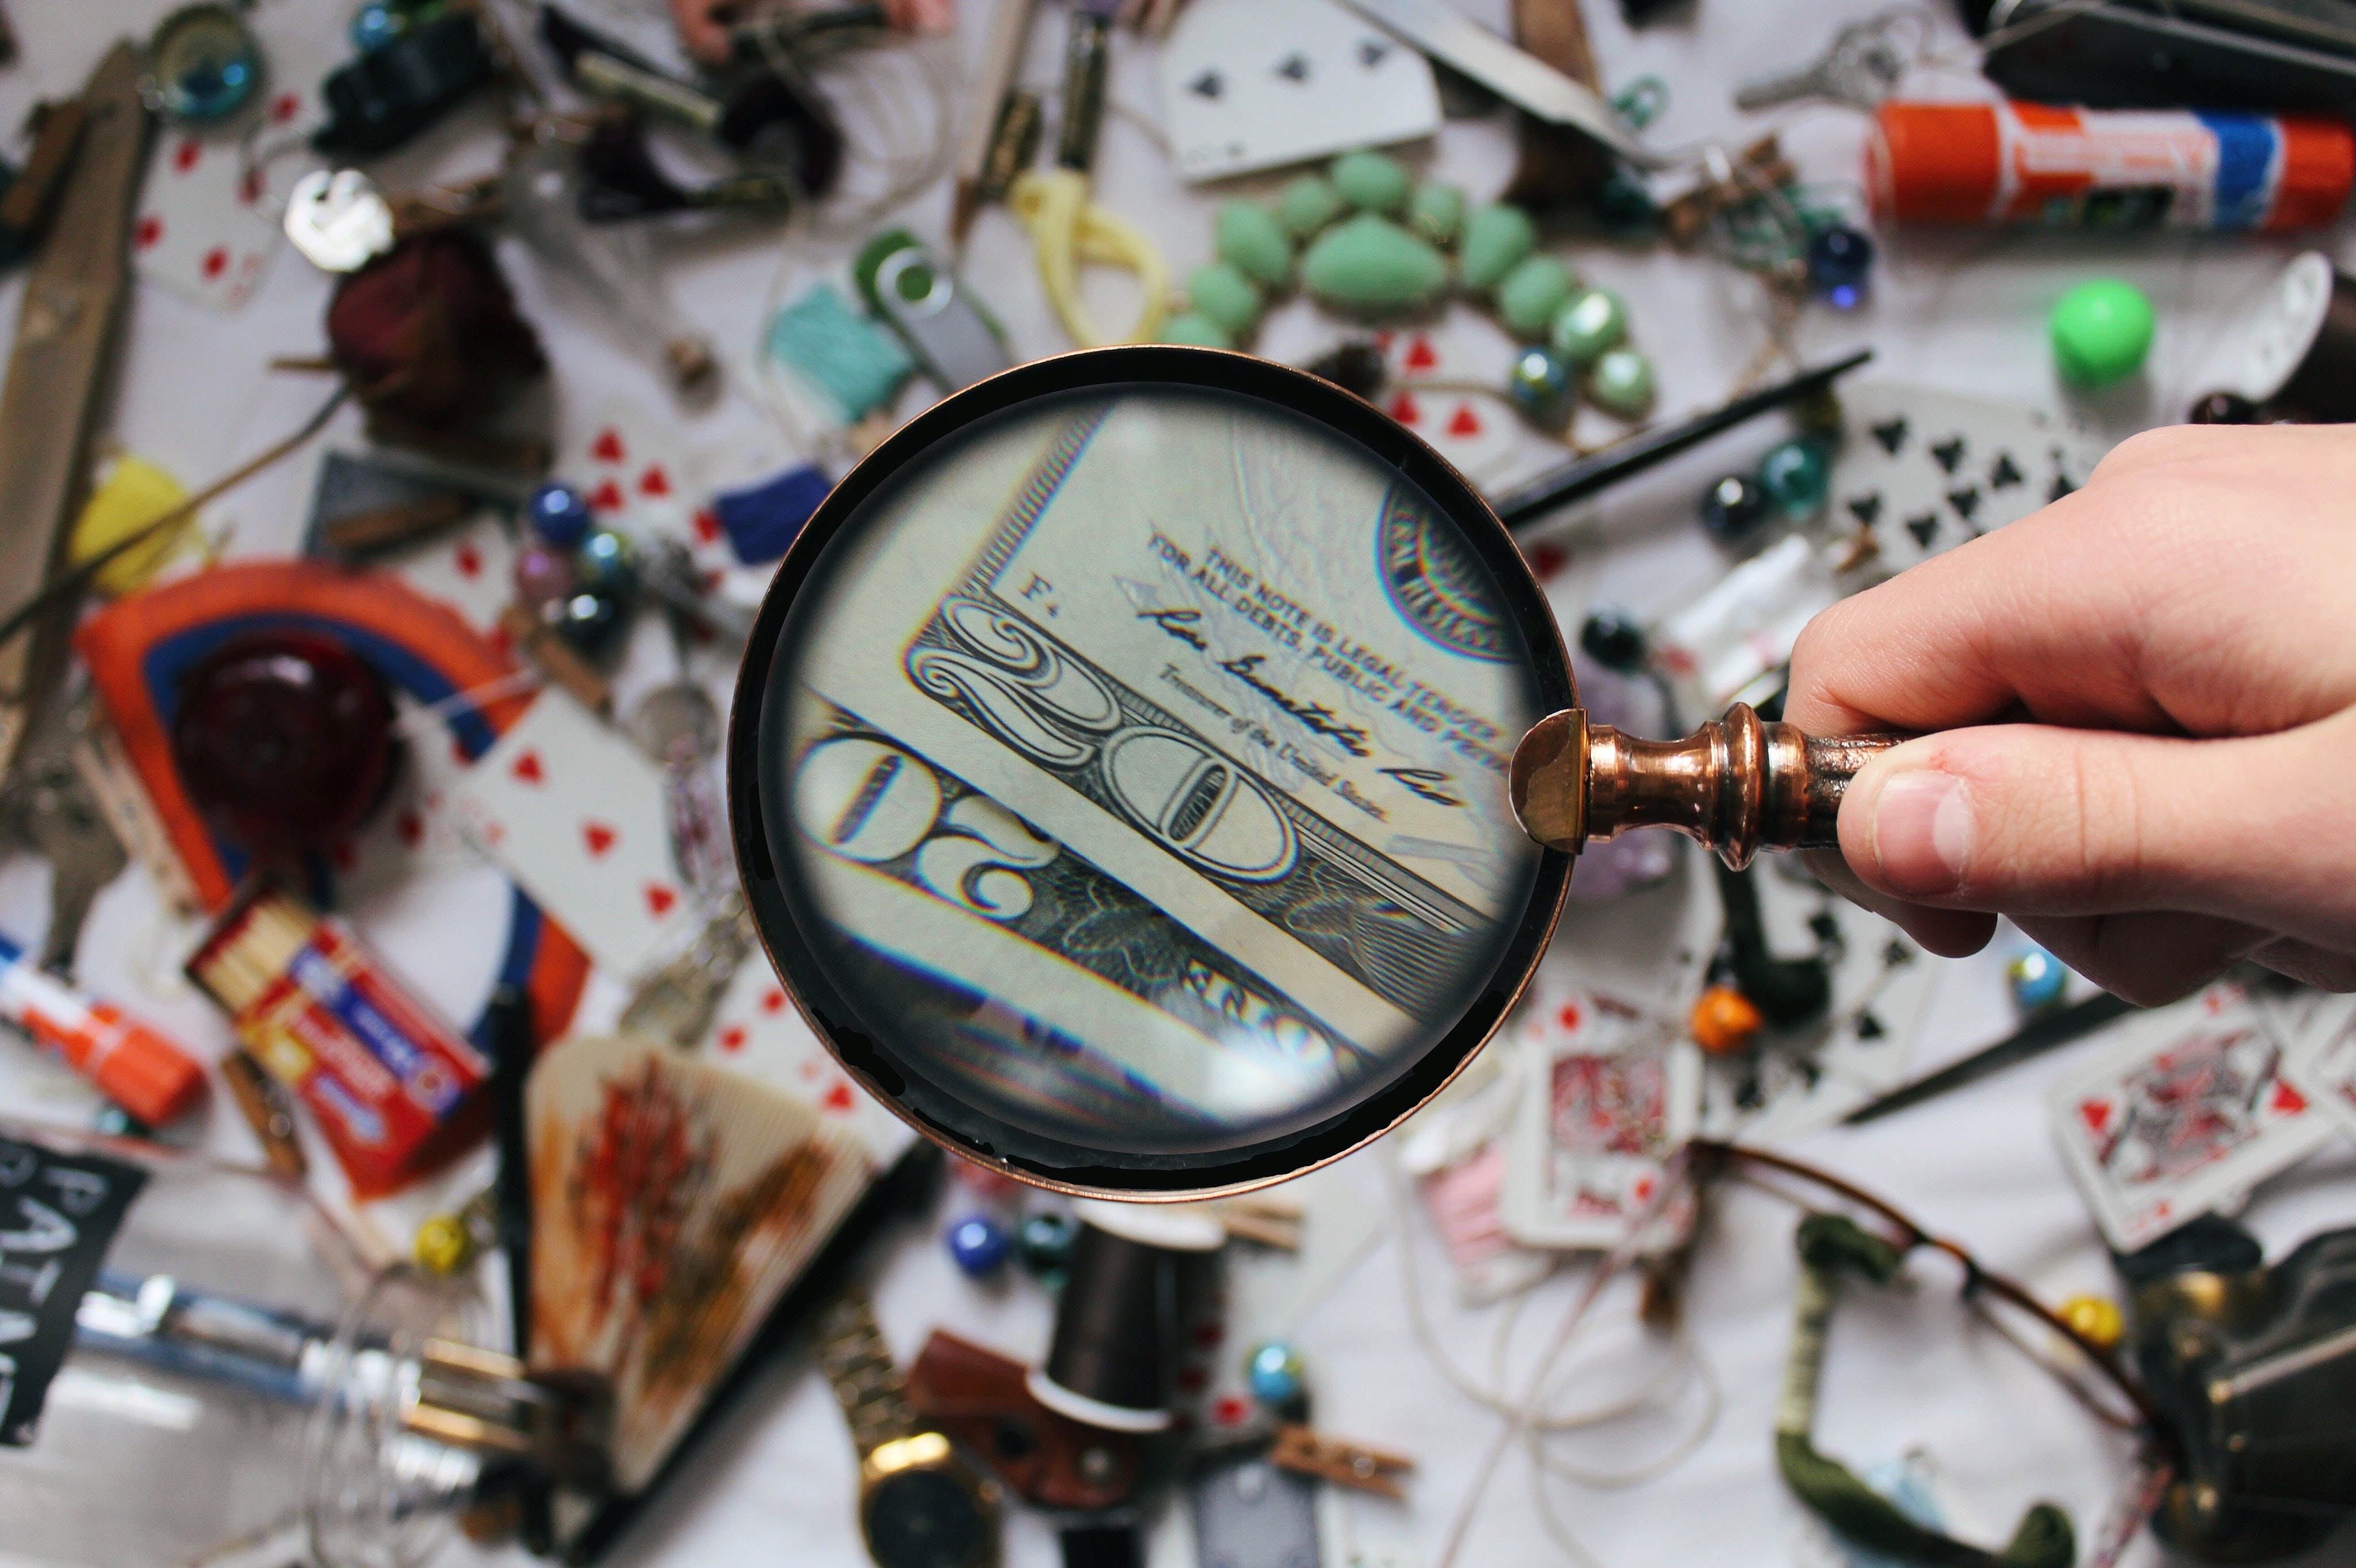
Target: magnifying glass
(1155,773)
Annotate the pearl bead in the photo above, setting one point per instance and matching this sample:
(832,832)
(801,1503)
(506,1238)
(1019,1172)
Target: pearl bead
(1622,384)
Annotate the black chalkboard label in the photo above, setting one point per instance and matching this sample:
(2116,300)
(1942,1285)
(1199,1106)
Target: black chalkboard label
(57,1212)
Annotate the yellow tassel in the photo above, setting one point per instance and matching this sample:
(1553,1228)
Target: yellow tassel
(1067,230)
(134,494)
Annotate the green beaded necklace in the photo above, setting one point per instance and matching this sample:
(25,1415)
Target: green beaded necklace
(1374,241)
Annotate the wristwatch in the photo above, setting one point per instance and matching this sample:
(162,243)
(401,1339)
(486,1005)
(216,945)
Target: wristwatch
(920,1504)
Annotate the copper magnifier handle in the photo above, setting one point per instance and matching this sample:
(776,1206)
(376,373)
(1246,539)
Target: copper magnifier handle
(1738,784)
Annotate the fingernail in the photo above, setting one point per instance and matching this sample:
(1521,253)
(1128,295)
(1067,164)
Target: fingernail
(1922,831)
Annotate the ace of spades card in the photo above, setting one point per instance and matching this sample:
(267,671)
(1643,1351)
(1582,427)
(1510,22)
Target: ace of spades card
(1611,1093)
(576,814)
(2183,1116)
(1927,471)
(1255,84)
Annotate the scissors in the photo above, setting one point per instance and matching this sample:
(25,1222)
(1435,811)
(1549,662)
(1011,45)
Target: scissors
(1067,226)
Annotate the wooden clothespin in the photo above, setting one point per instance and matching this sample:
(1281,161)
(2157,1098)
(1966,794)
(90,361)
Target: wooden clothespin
(1271,1222)
(1363,1469)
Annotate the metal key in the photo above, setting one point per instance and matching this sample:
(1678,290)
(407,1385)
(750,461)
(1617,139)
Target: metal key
(1858,70)
(46,806)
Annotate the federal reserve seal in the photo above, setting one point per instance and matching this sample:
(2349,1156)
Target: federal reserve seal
(1435,582)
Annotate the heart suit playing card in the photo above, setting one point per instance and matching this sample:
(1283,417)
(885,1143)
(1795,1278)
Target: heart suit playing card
(574,814)
(2182,1117)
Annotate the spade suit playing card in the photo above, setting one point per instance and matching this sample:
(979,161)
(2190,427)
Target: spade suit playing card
(2188,1112)
(574,814)
(1928,470)
(1255,84)
(1611,1093)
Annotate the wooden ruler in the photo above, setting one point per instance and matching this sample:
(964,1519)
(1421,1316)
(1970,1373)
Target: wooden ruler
(58,376)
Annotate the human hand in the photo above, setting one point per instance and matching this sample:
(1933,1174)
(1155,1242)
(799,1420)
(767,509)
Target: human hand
(703,28)
(2143,701)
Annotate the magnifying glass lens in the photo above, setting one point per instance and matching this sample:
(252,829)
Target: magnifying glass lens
(1132,763)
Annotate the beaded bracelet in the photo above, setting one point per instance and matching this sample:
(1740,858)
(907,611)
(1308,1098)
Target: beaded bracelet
(1357,255)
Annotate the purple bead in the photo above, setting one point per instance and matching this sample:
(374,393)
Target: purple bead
(542,576)
(979,1245)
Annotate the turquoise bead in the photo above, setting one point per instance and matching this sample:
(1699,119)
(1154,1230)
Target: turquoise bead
(1796,475)
(1540,383)
(2038,979)
(1277,1374)
(1220,291)
(1194,328)
(1436,212)
(1309,204)
(1248,235)
(1621,383)
(1531,294)
(1587,325)
(1496,238)
(1370,263)
(1371,182)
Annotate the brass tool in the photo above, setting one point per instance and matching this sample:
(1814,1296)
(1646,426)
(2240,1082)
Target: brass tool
(1737,785)
(65,337)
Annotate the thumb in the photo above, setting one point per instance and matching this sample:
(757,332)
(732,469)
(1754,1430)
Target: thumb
(2036,820)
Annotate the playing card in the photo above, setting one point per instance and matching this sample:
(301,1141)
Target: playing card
(207,218)
(2320,1056)
(1611,1093)
(202,231)
(1926,470)
(2188,1112)
(413,834)
(673,1202)
(628,466)
(1253,84)
(1434,374)
(759,1033)
(576,814)
(1798,1082)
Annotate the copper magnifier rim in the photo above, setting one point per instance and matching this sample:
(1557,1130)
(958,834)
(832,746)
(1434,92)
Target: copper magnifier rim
(944,1117)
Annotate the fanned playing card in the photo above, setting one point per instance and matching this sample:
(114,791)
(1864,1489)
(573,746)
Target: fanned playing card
(1612,1093)
(1255,84)
(1804,1079)
(2319,1052)
(574,814)
(673,1202)
(2188,1112)
(1926,470)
